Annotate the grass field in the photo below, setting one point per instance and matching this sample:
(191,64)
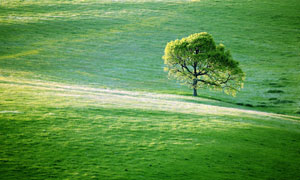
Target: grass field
(83,94)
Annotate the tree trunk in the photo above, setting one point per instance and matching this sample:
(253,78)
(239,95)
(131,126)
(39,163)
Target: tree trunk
(195,87)
(195,92)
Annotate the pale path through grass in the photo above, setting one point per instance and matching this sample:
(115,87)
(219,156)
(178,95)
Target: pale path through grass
(143,100)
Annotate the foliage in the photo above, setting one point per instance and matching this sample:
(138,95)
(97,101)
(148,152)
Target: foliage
(198,62)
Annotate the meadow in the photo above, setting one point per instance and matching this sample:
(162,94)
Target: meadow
(83,94)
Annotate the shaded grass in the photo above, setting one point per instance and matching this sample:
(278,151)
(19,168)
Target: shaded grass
(129,144)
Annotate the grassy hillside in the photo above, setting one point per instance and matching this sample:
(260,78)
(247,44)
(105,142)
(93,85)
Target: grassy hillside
(75,132)
(119,44)
(83,94)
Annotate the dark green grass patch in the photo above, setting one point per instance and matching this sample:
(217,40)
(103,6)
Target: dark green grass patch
(275,91)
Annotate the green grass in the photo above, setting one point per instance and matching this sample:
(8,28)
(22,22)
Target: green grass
(66,134)
(83,94)
(120,44)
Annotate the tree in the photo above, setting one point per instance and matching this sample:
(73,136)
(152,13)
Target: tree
(198,62)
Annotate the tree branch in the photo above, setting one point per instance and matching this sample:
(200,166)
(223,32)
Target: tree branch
(201,73)
(207,82)
(228,78)
(195,69)
(216,80)
(185,66)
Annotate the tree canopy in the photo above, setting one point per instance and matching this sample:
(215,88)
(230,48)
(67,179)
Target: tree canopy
(198,62)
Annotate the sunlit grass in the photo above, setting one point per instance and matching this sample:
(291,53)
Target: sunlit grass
(26,53)
(119,44)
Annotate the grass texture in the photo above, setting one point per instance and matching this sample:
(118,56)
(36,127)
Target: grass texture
(83,94)
(75,132)
(119,44)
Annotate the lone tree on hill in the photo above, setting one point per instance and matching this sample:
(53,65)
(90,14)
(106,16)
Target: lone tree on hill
(198,62)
